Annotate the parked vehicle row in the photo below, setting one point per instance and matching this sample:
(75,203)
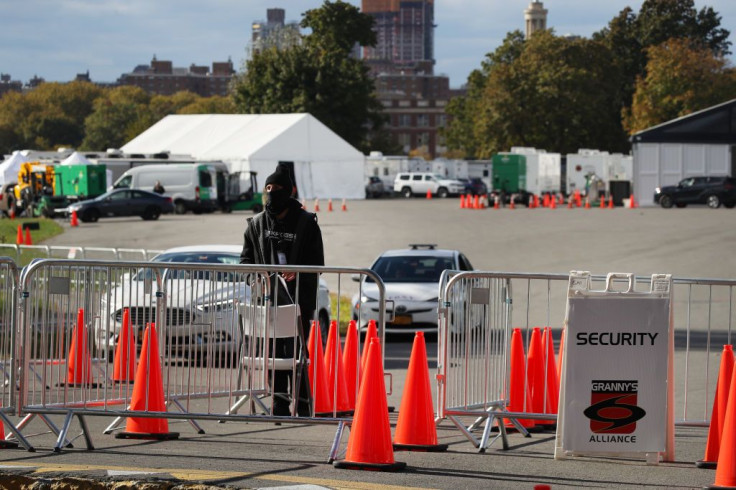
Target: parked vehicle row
(712,191)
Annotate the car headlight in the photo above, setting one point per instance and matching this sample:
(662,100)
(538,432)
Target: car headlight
(362,300)
(657,190)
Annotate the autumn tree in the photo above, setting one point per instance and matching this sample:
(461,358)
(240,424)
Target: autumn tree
(119,115)
(318,75)
(681,77)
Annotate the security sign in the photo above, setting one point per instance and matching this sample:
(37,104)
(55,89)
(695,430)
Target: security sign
(616,382)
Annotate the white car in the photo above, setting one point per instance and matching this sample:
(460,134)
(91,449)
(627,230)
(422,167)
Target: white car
(410,184)
(411,277)
(201,308)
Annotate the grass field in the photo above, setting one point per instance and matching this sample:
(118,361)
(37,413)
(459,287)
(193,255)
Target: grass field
(46,229)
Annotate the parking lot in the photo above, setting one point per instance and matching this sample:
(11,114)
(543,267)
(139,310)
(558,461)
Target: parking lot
(690,242)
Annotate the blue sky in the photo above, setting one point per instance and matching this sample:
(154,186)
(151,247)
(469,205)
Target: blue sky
(56,39)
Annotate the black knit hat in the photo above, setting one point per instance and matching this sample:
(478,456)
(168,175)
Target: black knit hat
(280,177)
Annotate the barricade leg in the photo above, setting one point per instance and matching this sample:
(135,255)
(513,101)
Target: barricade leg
(16,433)
(65,430)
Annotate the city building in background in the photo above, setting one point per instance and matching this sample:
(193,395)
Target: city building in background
(274,32)
(161,77)
(535,18)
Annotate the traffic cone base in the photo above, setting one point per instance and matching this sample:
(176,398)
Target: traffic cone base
(387,467)
(165,436)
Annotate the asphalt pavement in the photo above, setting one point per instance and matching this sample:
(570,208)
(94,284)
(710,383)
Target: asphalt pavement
(690,242)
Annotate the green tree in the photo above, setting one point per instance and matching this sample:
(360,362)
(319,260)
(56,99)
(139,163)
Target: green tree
(119,115)
(629,35)
(317,76)
(548,92)
(681,78)
(209,105)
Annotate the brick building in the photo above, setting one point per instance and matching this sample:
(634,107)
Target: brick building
(161,77)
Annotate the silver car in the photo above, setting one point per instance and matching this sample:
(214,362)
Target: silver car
(411,277)
(201,308)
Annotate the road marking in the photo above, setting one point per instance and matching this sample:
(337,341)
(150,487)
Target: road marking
(203,475)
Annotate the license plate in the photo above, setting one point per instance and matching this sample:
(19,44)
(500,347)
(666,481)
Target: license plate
(402,320)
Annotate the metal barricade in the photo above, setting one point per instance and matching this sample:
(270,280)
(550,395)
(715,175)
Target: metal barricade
(208,320)
(479,310)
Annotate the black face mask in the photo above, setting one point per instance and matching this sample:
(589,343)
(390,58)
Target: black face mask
(277,201)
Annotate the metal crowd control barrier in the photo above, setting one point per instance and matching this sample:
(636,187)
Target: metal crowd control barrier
(478,310)
(208,319)
(24,253)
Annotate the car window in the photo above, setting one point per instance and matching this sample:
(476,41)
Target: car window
(464,263)
(686,182)
(403,177)
(196,258)
(411,268)
(124,182)
(416,177)
(205,178)
(117,196)
(140,195)
(699,180)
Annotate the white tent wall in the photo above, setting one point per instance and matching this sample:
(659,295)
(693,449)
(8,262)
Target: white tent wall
(325,165)
(660,164)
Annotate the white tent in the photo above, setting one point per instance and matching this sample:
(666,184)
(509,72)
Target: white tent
(75,158)
(325,165)
(9,168)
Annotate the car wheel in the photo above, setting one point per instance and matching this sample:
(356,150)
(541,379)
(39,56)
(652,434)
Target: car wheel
(666,201)
(713,201)
(442,192)
(729,205)
(151,213)
(180,207)
(92,215)
(406,192)
(324,325)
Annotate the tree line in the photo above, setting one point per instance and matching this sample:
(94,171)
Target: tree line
(559,93)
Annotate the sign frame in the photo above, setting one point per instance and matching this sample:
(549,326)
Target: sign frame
(601,399)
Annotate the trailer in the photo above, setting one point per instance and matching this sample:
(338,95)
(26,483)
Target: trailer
(524,172)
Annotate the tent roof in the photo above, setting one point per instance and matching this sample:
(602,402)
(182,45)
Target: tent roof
(716,124)
(75,158)
(295,137)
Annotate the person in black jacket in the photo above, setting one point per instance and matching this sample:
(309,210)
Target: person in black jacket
(285,234)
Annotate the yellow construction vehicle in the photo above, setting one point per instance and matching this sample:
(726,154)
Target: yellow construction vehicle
(35,184)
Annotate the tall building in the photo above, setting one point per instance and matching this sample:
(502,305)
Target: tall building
(535,18)
(405,36)
(161,77)
(274,32)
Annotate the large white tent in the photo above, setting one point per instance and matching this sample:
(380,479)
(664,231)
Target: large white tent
(9,168)
(325,165)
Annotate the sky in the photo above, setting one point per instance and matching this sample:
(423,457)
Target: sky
(56,39)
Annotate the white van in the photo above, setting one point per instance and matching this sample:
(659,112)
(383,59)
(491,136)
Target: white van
(191,186)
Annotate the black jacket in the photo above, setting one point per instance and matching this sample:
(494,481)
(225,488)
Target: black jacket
(306,249)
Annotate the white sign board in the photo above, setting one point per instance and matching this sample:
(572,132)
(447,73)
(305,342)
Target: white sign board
(617,377)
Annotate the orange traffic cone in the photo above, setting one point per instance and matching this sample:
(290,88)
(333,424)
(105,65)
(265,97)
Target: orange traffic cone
(316,205)
(350,363)
(369,445)
(125,353)
(553,383)
(511,203)
(610,202)
(75,219)
(535,374)
(552,203)
(518,392)
(148,394)
(603,201)
(335,375)
(462,201)
(344,206)
(429,194)
(415,429)
(718,415)
(19,236)
(726,471)
(495,203)
(476,202)
(371,332)
(587,203)
(5,444)
(632,202)
(329,205)
(317,373)
(545,201)
(28,237)
(79,362)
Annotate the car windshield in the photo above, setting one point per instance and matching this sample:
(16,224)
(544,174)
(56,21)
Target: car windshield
(195,258)
(411,268)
